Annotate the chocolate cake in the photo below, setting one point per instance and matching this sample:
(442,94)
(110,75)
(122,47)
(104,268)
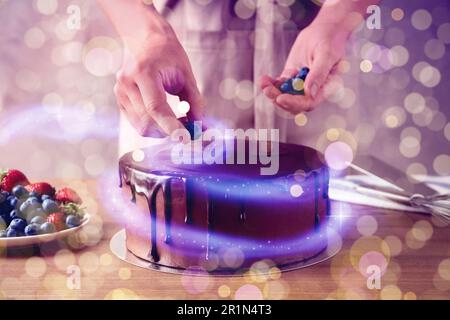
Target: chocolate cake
(225,216)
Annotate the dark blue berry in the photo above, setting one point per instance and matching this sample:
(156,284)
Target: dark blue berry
(38,220)
(14,214)
(30,204)
(47,227)
(13,202)
(33,194)
(73,221)
(18,224)
(31,229)
(19,191)
(45,197)
(50,206)
(194,129)
(12,233)
(5,208)
(286,86)
(35,213)
(302,73)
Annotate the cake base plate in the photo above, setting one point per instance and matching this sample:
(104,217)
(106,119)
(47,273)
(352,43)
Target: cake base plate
(118,247)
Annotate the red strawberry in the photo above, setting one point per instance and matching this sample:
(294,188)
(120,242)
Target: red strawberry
(41,188)
(68,195)
(58,219)
(11,178)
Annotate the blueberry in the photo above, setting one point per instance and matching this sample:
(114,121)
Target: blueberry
(33,194)
(3,233)
(45,197)
(47,227)
(18,224)
(19,191)
(13,202)
(32,229)
(29,204)
(24,206)
(50,206)
(286,86)
(35,213)
(37,220)
(11,233)
(5,194)
(14,214)
(5,208)
(195,131)
(73,221)
(302,73)
(2,198)
(32,199)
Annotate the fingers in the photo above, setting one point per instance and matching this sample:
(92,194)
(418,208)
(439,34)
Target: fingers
(295,103)
(289,73)
(270,86)
(266,81)
(291,103)
(192,95)
(319,71)
(155,103)
(121,97)
(143,124)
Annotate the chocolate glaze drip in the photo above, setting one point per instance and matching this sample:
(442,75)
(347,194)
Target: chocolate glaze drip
(242,212)
(209,220)
(189,185)
(167,189)
(152,206)
(316,200)
(325,189)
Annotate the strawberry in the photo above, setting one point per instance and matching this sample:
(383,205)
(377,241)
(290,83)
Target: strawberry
(11,178)
(65,195)
(41,188)
(58,219)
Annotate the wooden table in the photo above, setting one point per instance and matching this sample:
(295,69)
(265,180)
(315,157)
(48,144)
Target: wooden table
(416,248)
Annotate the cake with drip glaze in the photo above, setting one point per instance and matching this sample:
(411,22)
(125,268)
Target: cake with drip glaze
(225,216)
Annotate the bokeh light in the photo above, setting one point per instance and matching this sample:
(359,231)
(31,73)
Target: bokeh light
(296,190)
(367,225)
(248,292)
(338,155)
(421,19)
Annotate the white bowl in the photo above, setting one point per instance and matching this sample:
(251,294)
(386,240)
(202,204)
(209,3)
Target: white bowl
(42,238)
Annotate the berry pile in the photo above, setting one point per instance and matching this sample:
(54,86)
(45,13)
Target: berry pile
(28,209)
(296,84)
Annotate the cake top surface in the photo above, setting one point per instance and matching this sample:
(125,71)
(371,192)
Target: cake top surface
(233,158)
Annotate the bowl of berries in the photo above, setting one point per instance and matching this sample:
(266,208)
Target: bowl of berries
(34,213)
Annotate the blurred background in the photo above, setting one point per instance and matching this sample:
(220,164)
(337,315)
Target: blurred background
(58,116)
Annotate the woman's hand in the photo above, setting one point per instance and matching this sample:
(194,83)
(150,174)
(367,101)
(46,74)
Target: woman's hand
(154,63)
(320,47)
(158,66)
